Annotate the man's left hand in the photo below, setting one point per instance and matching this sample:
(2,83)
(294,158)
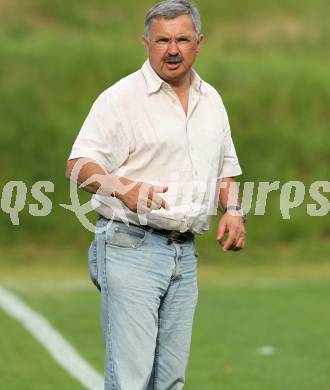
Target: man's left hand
(234,226)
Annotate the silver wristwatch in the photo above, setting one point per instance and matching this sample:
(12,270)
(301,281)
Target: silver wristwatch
(241,211)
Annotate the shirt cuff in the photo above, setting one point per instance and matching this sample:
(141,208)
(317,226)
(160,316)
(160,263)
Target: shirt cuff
(88,153)
(230,172)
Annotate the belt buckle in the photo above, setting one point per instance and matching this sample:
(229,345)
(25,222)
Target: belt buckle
(175,236)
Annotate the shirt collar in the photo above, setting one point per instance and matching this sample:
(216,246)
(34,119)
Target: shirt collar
(154,82)
(197,83)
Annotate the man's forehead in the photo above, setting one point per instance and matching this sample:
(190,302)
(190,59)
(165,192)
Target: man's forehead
(179,25)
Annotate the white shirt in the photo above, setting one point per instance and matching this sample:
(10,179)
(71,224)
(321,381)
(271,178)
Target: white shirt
(138,129)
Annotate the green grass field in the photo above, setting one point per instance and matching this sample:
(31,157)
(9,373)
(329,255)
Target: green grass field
(237,314)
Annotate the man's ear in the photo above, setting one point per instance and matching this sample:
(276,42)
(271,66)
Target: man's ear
(145,42)
(199,42)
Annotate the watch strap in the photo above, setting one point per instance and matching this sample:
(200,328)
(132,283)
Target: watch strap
(236,208)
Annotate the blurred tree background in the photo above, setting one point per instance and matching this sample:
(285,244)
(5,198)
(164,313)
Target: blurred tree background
(269,59)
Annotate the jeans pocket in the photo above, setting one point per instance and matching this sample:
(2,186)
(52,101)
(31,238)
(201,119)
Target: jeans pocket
(92,264)
(196,253)
(120,235)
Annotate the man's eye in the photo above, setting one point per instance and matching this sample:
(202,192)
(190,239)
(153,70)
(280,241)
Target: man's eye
(162,40)
(183,40)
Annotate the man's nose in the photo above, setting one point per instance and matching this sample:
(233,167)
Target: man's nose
(173,47)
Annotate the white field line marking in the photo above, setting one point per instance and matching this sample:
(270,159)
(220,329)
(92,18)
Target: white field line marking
(266,350)
(63,353)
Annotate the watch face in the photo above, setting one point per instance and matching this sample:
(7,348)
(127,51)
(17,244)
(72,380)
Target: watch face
(236,210)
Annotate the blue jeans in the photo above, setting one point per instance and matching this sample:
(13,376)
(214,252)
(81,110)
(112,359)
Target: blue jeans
(148,298)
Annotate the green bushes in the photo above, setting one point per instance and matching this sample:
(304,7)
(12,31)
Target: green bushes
(268,62)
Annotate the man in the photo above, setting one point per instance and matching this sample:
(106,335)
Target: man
(156,146)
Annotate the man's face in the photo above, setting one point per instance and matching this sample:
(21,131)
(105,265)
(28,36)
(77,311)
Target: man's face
(172,47)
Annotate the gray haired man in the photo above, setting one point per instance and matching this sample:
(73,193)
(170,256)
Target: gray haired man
(157,146)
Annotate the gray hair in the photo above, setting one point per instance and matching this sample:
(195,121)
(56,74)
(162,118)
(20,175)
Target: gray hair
(170,9)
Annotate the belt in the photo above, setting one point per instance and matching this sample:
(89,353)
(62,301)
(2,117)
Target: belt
(171,235)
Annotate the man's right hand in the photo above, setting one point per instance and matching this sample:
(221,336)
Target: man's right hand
(140,197)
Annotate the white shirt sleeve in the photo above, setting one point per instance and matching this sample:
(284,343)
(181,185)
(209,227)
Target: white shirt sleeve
(102,136)
(230,165)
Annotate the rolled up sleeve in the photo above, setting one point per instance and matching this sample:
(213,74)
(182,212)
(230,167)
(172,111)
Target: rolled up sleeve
(102,136)
(230,164)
